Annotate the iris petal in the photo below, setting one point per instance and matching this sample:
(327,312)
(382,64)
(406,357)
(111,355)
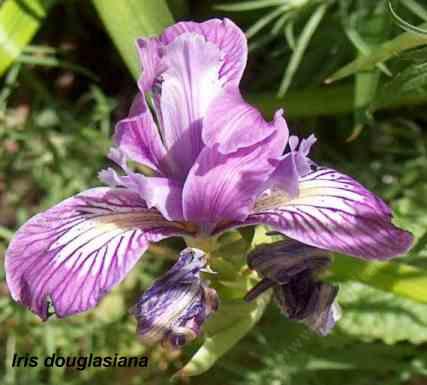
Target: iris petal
(334,212)
(77,251)
(223,187)
(232,124)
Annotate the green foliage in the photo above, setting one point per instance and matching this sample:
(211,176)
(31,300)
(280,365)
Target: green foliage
(372,314)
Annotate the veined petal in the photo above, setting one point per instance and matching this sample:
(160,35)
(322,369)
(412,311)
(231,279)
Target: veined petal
(150,53)
(223,187)
(232,124)
(74,253)
(137,136)
(188,86)
(334,212)
(224,34)
(161,193)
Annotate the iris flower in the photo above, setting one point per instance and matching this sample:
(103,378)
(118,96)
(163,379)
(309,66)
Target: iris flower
(216,165)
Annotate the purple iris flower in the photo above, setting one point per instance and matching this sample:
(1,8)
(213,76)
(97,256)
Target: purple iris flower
(216,165)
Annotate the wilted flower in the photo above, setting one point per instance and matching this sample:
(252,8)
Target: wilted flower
(289,267)
(216,165)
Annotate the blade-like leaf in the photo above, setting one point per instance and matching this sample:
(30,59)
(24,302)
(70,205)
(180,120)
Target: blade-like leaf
(248,5)
(19,21)
(301,46)
(397,278)
(132,19)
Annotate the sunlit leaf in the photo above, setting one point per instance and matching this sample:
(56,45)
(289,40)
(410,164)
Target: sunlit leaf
(372,314)
(19,21)
(394,277)
(132,19)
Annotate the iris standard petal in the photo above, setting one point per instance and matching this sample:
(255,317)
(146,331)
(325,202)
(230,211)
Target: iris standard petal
(137,136)
(224,34)
(334,212)
(188,86)
(74,253)
(232,124)
(223,187)
(174,308)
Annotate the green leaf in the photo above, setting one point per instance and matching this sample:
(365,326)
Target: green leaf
(227,327)
(372,314)
(397,278)
(416,8)
(391,48)
(300,47)
(412,79)
(248,5)
(130,20)
(19,21)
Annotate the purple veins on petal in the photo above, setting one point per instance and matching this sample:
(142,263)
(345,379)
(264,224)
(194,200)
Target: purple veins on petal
(77,251)
(173,310)
(334,212)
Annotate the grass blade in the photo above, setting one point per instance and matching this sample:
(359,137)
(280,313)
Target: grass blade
(300,47)
(248,5)
(133,18)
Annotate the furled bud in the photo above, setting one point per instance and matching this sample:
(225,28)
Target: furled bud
(174,308)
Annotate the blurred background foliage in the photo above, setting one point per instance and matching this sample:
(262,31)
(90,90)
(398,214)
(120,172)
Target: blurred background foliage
(354,72)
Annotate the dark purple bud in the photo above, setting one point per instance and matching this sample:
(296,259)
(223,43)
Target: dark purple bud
(279,262)
(289,268)
(174,308)
(309,301)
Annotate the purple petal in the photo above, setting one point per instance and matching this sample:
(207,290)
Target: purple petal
(164,194)
(77,251)
(150,51)
(334,212)
(223,187)
(137,137)
(161,193)
(188,86)
(233,124)
(292,166)
(224,34)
